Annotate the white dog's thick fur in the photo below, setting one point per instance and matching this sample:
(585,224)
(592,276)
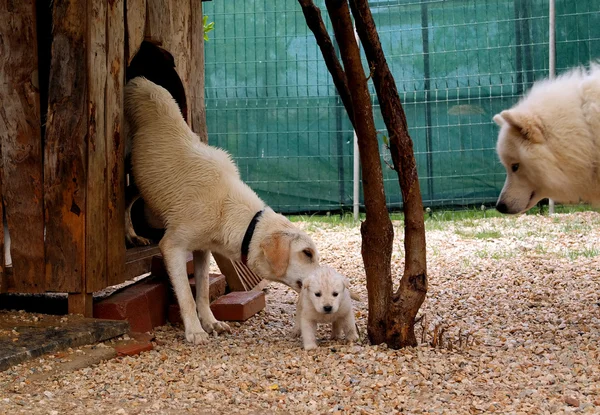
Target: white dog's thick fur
(325,298)
(197,193)
(549,142)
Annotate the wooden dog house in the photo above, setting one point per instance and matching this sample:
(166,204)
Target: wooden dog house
(62,165)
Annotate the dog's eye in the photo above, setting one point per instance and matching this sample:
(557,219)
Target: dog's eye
(335,294)
(515,167)
(317,294)
(308,253)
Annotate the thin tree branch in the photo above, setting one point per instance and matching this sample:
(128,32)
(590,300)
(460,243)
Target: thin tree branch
(312,14)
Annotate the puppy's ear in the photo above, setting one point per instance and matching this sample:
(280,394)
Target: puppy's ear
(529,126)
(276,249)
(498,120)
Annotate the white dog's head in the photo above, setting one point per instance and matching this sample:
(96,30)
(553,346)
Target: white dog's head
(325,290)
(283,253)
(534,171)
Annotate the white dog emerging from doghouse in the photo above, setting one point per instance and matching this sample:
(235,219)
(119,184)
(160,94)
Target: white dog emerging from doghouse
(325,298)
(196,192)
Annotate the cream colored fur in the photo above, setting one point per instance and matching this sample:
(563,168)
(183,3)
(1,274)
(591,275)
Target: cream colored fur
(196,191)
(552,138)
(325,298)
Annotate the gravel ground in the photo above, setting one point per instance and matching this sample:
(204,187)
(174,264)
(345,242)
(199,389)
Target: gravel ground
(517,299)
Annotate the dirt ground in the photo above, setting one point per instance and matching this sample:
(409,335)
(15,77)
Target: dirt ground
(518,300)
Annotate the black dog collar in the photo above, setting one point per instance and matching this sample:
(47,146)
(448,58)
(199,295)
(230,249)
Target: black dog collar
(248,236)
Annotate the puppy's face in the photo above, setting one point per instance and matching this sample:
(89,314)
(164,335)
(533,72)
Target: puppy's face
(325,290)
(292,256)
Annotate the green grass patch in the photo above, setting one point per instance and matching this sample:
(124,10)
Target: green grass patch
(588,252)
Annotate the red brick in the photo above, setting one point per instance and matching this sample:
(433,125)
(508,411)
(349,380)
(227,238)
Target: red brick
(238,305)
(141,337)
(133,348)
(143,305)
(216,288)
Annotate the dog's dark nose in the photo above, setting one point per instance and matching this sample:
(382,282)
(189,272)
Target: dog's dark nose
(501,207)
(327,308)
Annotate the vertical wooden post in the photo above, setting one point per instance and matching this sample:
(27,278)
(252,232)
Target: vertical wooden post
(20,138)
(115,141)
(65,149)
(96,193)
(196,85)
(81,303)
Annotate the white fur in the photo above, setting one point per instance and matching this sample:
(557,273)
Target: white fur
(196,191)
(325,288)
(553,134)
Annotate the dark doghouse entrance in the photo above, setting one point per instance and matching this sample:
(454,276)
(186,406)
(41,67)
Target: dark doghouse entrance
(157,65)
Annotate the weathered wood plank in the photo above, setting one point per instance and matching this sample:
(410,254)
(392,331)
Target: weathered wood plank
(136,24)
(65,149)
(169,23)
(115,142)
(97,198)
(21,144)
(3,274)
(196,77)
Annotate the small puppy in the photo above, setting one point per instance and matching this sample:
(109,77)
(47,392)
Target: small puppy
(325,298)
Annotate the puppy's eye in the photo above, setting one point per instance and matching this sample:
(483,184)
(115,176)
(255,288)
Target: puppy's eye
(308,253)
(514,167)
(317,294)
(335,294)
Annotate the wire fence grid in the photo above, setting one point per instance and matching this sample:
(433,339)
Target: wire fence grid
(272,104)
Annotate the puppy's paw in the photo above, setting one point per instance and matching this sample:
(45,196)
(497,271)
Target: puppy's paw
(310,346)
(196,337)
(352,337)
(295,332)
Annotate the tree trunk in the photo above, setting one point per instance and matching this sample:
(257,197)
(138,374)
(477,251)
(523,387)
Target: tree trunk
(377,231)
(391,318)
(413,286)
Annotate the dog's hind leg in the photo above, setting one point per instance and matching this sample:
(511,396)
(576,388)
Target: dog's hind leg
(207,319)
(337,330)
(349,326)
(175,259)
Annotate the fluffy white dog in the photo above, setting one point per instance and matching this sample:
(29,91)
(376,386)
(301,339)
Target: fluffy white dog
(549,142)
(325,298)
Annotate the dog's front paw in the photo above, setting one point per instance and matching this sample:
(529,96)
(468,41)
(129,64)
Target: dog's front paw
(196,337)
(295,332)
(310,346)
(216,326)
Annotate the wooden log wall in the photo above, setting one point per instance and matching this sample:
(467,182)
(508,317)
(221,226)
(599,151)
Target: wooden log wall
(70,184)
(21,152)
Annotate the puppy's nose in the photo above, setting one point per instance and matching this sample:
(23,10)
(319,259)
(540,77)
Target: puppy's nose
(327,308)
(501,207)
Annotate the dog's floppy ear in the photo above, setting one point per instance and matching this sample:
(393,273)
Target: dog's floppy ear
(276,249)
(529,126)
(498,120)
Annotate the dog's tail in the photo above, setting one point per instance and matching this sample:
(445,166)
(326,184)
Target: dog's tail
(354,296)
